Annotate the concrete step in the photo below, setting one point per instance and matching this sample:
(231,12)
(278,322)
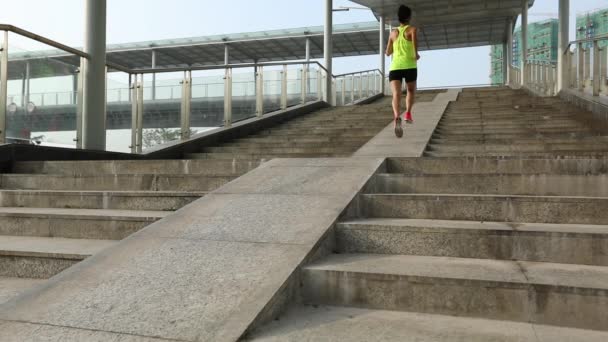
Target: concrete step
(41,258)
(332,323)
(588,139)
(285,149)
(507,122)
(353,144)
(319,131)
(545,147)
(503,166)
(11,287)
(497,289)
(526,130)
(558,243)
(101,224)
(546,155)
(122,200)
(141,182)
(262,156)
(303,139)
(529,184)
(455,136)
(494,208)
(157,167)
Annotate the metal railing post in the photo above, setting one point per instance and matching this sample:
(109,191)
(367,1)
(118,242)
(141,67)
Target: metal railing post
(284,87)
(228,98)
(603,67)
(186,105)
(134,104)
(80,102)
(259,93)
(334,92)
(140,115)
(581,67)
(596,68)
(352,86)
(320,84)
(303,84)
(343,92)
(572,80)
(360,86)
(3,86)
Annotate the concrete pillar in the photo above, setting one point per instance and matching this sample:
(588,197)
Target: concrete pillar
(94,111)
(524,42)
(509,55)
(382,45)
(328,48)
(153,75)
(226,54)
(562,44)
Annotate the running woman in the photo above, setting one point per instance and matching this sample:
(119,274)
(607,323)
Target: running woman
(403,46)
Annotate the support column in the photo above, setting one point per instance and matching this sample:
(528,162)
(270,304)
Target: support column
(153,75)
(509,55)
(308,49)
(524,42)
(328,48)
(562,44)
(226,54)
(94,111)
(382,57)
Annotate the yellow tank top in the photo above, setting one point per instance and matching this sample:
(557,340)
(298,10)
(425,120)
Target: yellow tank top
(404,54)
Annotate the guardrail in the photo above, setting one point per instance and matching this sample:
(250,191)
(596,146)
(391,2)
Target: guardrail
(276,86)
(587,66)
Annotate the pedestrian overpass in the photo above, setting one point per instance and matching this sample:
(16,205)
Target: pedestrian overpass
(487,221)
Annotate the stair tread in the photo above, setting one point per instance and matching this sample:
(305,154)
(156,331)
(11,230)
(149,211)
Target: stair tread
(51,246)
(83,213)
(486,270)
(331,323)
(109,192)
(11,287)
(449,225)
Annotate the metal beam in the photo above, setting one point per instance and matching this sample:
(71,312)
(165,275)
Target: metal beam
(381,52)
(153,75)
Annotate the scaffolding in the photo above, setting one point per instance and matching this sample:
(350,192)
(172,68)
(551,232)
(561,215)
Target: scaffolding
(591,25)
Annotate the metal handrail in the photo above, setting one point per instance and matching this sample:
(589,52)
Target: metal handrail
(358,72)
(47,41)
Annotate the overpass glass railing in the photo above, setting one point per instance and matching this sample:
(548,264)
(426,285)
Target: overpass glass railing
(39,94)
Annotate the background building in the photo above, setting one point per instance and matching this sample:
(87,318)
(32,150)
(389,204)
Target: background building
(542,46)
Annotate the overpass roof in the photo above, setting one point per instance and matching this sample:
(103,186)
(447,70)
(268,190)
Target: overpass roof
(354,39)
(446,24)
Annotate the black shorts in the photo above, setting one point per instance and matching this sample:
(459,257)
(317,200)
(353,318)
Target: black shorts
(410,75)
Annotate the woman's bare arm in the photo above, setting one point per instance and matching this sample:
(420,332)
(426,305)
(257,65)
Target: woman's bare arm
(389,47)
(415,41)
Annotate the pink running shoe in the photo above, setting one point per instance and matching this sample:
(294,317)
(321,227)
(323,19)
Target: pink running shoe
(408,118)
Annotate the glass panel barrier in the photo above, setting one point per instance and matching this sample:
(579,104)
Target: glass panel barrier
(118,112)
(312,93)
(41,94)
(243,94)
(272,88)
(207,106)
(162,109)
(294,85)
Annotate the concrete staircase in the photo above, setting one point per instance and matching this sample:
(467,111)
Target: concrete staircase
(54,214)
(333,132)
(512,123)
(503,238)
